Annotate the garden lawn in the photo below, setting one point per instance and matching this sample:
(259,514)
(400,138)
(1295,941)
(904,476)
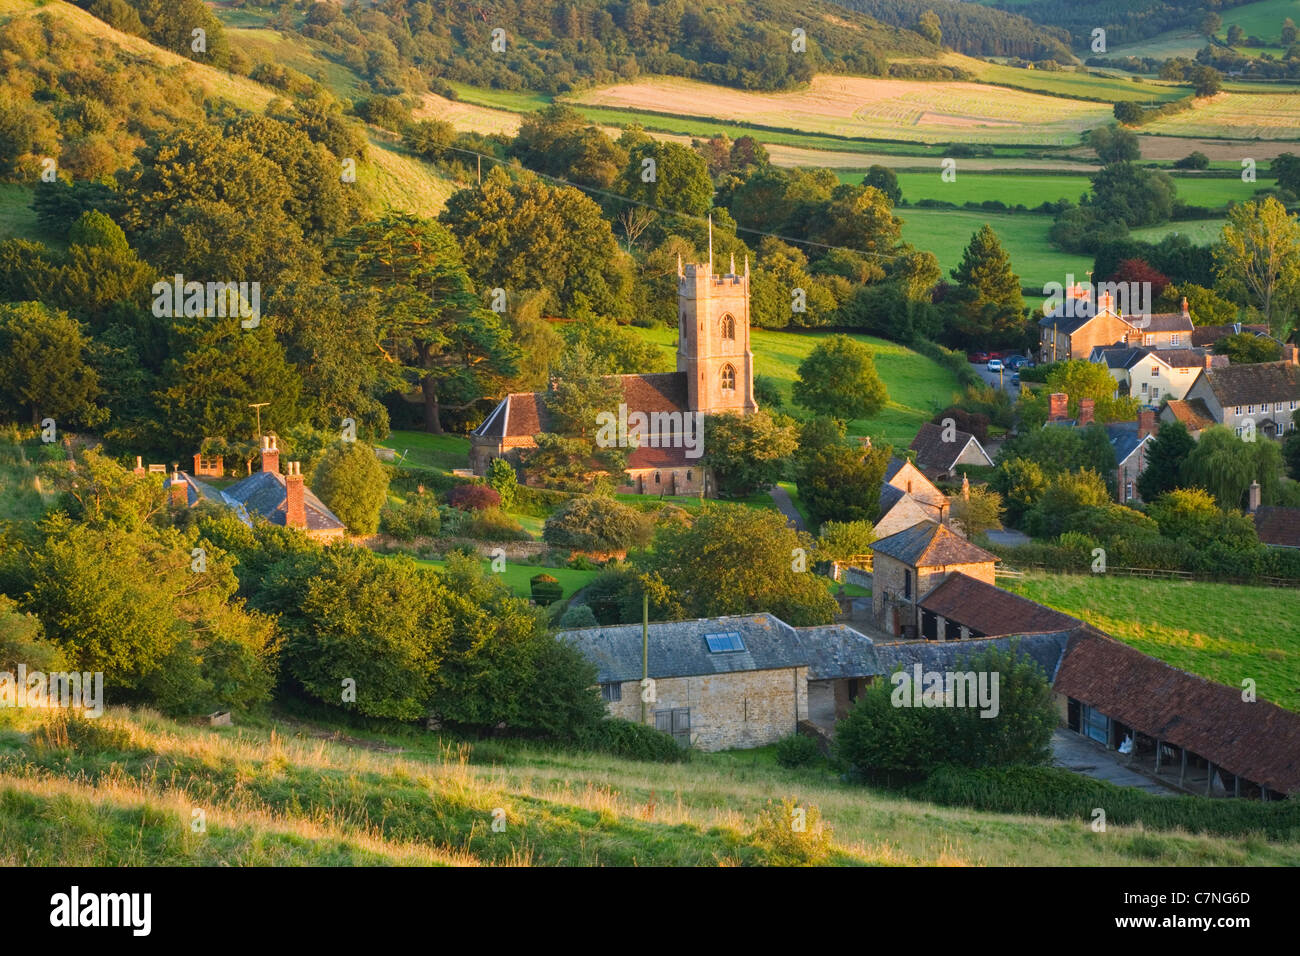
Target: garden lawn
(517,577)
(1224,632)
(918,387)
(430,452)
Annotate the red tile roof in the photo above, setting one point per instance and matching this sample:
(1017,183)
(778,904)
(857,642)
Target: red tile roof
(1278,526)
(991,611)
(1256,740)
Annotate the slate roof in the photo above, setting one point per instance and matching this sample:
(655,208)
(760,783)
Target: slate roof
(1254,383)
(679,649)
(1117,356)
(263,493)
(196,491)
(936,455)
(1278,526)
(1065,324)
(1044,649)
(1163,322)
(1124,439)
(1256,740)
(991,611)
(522,415)
(927,544)
(1204,335)
(1187,358)
(1193,413)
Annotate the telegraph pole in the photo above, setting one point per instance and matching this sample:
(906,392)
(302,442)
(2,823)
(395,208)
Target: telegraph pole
(258,406)
(645,648)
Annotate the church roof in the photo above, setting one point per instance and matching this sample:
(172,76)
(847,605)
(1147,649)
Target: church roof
(522,415)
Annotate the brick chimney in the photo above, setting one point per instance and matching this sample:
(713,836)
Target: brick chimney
(1291,353)
(1086,406)
(295,511)
(1058,406)
(1209,359)
(1254,497)
(270,454)
(1105,302)
(965,487)
(139,466)
(1147,423)
(180,492)
(1186,314)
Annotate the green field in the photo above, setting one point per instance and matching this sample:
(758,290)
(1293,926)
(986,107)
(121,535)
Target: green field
(947,232)
(430,452)
(282,791)
(917,386)
(1225,632)
(1262,19)
(1203,232)
(1019,188)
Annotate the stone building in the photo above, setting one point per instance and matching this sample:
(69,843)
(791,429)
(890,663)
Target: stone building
(715,375)
(1259,396)
(908,565)
(728,682)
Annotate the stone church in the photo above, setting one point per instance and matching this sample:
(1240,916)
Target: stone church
(715,374)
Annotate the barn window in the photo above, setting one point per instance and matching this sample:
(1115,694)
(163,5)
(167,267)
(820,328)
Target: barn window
(907,585)
(728,326)
(688,474)
(611,692)
(724,643)
(728,378)
(656,477)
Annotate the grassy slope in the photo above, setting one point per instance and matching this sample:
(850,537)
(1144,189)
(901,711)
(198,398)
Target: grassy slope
(917,386)
(1221,631)
(292,792)
(517,576)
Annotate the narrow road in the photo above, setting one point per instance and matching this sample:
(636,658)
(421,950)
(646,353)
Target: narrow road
(782,499)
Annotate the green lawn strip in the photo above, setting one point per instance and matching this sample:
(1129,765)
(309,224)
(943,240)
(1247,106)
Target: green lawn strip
(431,452)
(517,577)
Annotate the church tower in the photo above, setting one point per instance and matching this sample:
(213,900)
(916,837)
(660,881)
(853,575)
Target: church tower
(713,339)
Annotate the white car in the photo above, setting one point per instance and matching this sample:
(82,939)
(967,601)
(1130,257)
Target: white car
(995,365)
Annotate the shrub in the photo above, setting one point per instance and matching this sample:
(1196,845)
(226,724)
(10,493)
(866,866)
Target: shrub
(493,524)
(417,517)
(578,616)
(353,483)
(790,834)
(473,498)
(626,738)
(592,523)
(501,478)
(797,751)
(546,590)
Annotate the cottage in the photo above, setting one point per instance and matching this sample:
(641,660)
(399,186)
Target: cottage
(282,499)
(906,497)
(1154,375)
(939,451)
(1073,330)
(908,565)
(715,375)
(1260,396)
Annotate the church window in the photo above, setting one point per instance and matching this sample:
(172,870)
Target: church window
(728,326)
(728,378)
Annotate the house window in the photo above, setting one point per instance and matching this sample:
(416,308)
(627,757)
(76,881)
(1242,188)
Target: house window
(1128,491)
(728,378)
(1238,430)
(1250,409)
(1155,393)
(1148,339)
(728,326)
(1144,388)
(1293,405)
(656,477)
(1155,371)
(611,692)
(688,474)
(1236,409)
(1174,340)
(907,585)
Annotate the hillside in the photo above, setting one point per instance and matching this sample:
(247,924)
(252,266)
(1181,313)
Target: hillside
(124,790)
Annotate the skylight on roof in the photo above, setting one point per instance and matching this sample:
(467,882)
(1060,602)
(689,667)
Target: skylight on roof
(725,643)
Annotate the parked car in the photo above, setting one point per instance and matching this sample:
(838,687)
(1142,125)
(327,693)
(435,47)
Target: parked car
(995,365)
(1015,378)
(976,358)
(1015,361)
(997,355)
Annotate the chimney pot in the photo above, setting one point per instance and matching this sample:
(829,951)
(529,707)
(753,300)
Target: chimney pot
(1086,408)
(295,510)
(1185,312)
(1058,406)
(1209,359)
(1146,423)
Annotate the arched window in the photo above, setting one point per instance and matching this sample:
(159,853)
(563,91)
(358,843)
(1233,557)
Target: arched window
(728,378)
(728,326)
(656,477)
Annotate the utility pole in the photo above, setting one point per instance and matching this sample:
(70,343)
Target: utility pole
(645,649)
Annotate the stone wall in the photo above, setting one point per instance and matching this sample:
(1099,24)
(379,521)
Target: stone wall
(736,710)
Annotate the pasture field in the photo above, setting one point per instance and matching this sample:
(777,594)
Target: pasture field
(918,387)
(1262,19)
(1082,83)
(1017,187)
(947,232)
(1201,231)
(281,790)
(867,107)
(1267,116)
(430,452)
(1224,632)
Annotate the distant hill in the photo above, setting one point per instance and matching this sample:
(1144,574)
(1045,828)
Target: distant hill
(973,29)
(553,48)
(1125,21)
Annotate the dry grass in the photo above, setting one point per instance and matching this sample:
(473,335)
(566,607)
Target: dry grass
(1269,116)
(867,107)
